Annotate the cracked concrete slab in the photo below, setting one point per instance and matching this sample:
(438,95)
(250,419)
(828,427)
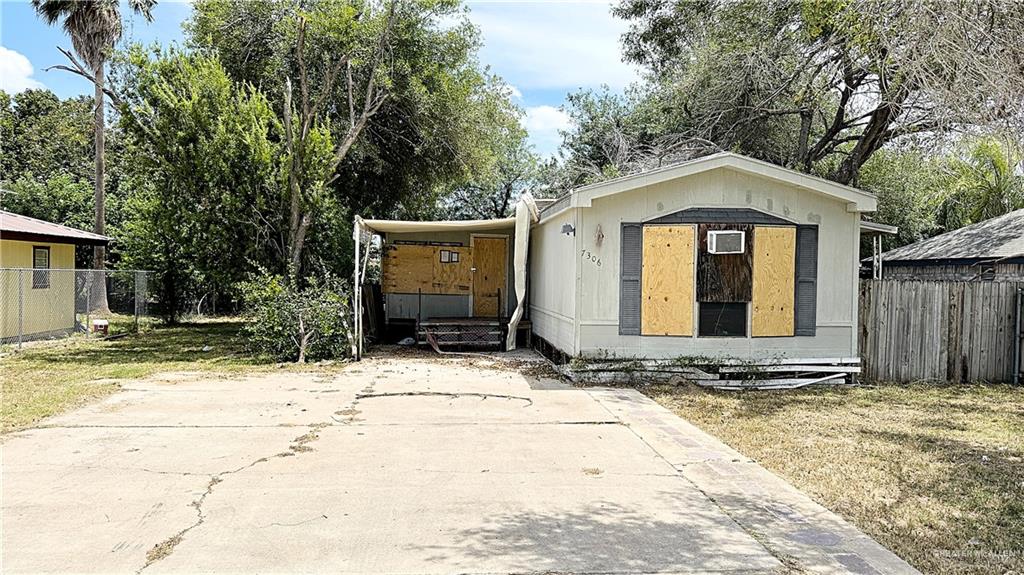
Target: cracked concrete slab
(390,466)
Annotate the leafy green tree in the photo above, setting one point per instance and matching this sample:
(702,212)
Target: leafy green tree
(616,134)
(822,86)
(46,136)
(985,179)
(494,195)
(202,175)
(61,199)
(510,166)
(909,185)
(425,134)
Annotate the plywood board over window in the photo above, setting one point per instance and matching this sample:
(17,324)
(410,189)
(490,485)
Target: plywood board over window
(774,281)
(452,270)
(667,280)
(412,268)
(408,268)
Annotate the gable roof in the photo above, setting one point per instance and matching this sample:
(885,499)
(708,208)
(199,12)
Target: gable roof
(995,238)
(857,200)
(18,227)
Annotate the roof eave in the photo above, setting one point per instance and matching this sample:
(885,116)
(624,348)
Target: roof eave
(54,239)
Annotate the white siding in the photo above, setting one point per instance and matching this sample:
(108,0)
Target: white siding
(553,280)
(598,293)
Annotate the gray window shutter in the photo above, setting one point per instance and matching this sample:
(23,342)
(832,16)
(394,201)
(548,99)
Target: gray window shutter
(629,272)
(806,280)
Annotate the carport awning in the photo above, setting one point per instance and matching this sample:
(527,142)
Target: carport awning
(398,226)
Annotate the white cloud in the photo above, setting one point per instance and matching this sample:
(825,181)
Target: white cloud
(543,124)
(553,45)
(515,92)
(16,72)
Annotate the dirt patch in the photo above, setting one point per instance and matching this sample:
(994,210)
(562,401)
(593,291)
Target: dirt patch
(163,549)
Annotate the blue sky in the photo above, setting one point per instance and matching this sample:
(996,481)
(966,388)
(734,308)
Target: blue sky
(545,50)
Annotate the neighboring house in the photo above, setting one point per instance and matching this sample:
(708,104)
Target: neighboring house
(723,256)
(28,249)
(992,250)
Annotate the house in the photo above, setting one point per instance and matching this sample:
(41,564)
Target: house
(36,302)
(722,256)
(991,250)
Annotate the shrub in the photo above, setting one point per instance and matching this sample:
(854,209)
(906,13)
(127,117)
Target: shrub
(296,324)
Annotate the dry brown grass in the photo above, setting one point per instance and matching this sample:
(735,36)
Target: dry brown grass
(935,473)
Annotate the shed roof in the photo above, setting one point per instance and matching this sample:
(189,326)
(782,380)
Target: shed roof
(857,200)
(995,238)
(18,227)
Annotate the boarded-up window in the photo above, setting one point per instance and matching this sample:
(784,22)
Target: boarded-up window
(667,281)
(724,277)
(806,279)
(629,273)
(413,268)
(772,304)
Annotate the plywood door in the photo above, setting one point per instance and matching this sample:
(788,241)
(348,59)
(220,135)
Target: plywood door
(490,259)
(667,281)
(774,281)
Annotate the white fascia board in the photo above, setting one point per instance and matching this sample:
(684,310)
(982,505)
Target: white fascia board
(857,200)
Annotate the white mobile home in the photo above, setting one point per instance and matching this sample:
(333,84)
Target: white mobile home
(723,256)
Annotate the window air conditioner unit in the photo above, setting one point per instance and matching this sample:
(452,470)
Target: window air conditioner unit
(726,242)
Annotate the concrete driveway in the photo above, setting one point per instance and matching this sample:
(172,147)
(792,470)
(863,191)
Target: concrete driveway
(401,465)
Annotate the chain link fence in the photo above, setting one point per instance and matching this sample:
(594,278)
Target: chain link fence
(43,304)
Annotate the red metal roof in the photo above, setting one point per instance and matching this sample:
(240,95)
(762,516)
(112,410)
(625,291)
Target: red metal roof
(18,227)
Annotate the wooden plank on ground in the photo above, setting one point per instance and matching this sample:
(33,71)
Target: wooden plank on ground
(667,281)
(789,383)
(793,368)
(774,281)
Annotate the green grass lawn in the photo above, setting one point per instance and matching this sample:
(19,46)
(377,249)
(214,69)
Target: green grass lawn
(935,473)
(45,378)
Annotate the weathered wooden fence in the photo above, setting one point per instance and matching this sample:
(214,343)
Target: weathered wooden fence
(938,330)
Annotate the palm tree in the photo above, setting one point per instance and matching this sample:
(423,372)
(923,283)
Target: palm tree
(94,27)
(986,181)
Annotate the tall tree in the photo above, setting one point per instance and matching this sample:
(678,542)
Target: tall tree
(313,152)
(202,157)
(426,136)
(94,27)
(821,86)
(46,137)
(509,166)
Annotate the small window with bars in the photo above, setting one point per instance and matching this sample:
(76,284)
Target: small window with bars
(40,267)
(726,242)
